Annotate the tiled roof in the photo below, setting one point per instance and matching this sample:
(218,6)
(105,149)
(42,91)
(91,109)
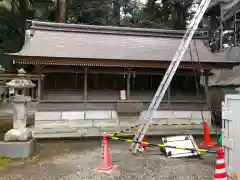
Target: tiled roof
(44,39)
(227,77)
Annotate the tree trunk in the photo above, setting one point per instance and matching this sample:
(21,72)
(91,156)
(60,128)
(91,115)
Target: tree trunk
(61,11)
(116,12)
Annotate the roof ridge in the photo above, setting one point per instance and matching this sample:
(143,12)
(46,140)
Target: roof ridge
(64,27)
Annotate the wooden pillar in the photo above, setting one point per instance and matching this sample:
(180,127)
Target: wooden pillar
(85,87)
(24,92)
(27,92)
(6,91)
(235,30)
(128,85)
(151,81)
(76,80)
(39,88)
(32,93)
(221,27)
(206,81)
(169,94)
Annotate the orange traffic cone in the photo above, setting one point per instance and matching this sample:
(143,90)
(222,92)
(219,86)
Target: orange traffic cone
(142,147)
(220,170)
(207,142)
(105,161)
(235,176)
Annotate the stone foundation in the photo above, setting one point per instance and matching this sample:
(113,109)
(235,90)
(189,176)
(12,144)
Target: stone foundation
(18,149)
(94,123)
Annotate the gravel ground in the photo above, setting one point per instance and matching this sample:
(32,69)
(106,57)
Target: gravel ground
(77,160)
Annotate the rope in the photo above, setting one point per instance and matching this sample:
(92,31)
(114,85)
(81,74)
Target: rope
(205,88)
(195,79)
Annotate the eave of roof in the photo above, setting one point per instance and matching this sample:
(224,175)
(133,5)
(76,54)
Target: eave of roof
(118,63)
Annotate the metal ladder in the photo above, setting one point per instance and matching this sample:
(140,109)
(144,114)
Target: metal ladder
(169,75)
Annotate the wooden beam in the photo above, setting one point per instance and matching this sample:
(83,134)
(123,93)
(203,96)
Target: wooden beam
(128,84)
(15,75)
(122,63)
(85,87)
(138,71)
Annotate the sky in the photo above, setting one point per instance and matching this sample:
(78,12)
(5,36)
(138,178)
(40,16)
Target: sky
(143,1)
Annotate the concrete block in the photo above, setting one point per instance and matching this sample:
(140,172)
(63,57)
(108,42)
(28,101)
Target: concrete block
(104,123)
(198,115)
(181,121)
(57,135)
(47,116)
(80,123)
(181,114)
(48,123)
(52,130)
(160,114)
(114,115)
(82,131)
(18,149)
(73,115)
(93,132)
(163,115)
(128,123)
(91,115)
(108,129)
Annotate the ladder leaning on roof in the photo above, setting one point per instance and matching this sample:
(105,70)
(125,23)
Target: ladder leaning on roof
(169,74)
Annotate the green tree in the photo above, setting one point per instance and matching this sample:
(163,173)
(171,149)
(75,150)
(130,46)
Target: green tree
(96,12)
(13,16)
(170,14)
(12,19)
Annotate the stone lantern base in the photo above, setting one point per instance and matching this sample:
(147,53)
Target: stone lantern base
(18,149)
(18,142)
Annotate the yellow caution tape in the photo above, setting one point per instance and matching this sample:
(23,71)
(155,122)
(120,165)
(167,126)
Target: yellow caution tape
(125,130)
(162,145)
(168,124)
(179,124)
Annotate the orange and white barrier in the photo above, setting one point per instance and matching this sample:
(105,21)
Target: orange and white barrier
(220,168)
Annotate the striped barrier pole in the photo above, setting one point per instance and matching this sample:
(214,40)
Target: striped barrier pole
(162,145)
(167,124)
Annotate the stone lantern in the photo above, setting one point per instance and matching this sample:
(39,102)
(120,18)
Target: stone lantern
(19,101)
